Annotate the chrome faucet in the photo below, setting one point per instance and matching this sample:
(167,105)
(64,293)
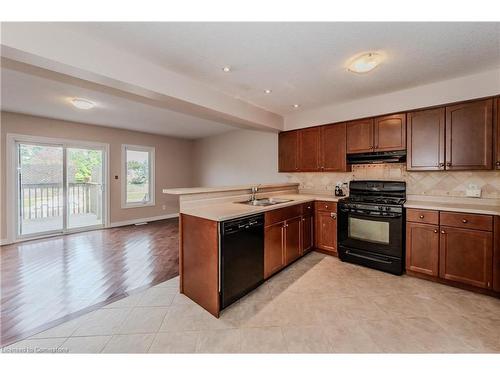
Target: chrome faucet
(255,189)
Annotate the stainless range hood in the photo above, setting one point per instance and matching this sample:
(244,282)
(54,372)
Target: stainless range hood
(379,157)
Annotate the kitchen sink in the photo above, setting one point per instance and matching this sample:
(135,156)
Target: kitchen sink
(266,201)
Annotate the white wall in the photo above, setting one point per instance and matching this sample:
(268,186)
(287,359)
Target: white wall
(454,90)
(237,157)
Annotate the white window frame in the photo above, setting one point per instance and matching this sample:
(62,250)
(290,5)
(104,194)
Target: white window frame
(152,172)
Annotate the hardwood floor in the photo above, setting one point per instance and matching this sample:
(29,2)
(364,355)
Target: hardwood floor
(49,281)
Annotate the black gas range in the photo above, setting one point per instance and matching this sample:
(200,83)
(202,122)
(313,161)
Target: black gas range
(371,225)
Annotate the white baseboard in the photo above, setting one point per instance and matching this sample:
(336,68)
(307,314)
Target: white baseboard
(142,220)
(4,241)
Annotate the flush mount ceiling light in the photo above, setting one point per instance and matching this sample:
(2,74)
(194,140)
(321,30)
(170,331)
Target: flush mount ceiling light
(226,69)
(296,105)
(82,103)
(365,62)
(268,91)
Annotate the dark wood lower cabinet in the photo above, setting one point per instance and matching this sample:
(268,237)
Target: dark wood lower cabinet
(466,256)
(422,248)
(454,248)
(274,248)
(496,256)
(292,240)
(307,231)
(326,231)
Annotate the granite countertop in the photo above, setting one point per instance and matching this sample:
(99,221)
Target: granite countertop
(468,205)
(232,210)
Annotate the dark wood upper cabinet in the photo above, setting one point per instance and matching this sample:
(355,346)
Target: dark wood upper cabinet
(333,148)
(466,256)
(469,135)
(497,127)
(309,145)
(425,146)
(288,143)
(389,132)
(360,136)
(465,136)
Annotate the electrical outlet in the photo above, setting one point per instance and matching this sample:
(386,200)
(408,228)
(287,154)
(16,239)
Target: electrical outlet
(473,191)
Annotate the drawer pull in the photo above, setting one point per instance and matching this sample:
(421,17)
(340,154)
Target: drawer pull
(435,230)
(443,232)
(464,221)
(421,216)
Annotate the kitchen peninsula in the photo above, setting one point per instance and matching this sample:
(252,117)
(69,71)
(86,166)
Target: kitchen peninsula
(287,232)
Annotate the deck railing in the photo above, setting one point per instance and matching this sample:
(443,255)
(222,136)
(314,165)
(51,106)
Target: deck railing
(39,201)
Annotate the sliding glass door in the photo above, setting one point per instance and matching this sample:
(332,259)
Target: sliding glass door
(41,189)
(84,187)
(59,188)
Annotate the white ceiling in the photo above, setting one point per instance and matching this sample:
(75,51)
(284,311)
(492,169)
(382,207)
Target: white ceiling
(305,62)
(31,94)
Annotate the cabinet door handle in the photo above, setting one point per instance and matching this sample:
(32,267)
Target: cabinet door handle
(464,221)
(443,232)
(448,164)
(421,216)
(435,230)
(498,163)
(441,165)
(333,215)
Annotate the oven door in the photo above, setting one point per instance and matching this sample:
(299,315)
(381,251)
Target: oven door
(372,232)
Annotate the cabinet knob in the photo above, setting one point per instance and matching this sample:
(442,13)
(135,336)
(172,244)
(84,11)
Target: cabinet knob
(448,164)
(333,215)
(421,216)
(443,232)
(464,221)
(435,230)
(498,163)
(441,165)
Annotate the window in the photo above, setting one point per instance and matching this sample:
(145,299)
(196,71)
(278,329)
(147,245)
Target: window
(138,176)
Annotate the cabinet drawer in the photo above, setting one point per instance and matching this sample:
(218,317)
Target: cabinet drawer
(422,216)
(470,221)
(282,214)
(325,206)
(308,208)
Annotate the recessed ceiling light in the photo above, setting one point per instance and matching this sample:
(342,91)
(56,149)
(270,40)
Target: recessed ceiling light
(365,62)
(226,69)
(267,91)
(82,103)
(296,105)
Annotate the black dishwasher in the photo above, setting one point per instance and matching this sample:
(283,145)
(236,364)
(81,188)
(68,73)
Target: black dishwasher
(242,257)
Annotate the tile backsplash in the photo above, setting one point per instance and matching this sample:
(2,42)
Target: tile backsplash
(439,183)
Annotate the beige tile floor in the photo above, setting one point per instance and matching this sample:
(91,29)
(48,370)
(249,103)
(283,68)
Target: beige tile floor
(318,305)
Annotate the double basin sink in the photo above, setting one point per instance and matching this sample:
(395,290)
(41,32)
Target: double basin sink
(266,201)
